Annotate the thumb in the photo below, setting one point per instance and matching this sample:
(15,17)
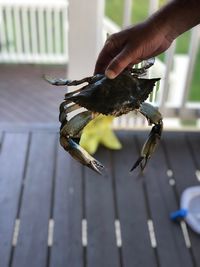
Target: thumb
(118,64)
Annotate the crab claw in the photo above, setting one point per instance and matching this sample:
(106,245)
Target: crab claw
(80,154)
(147,64)
(149,146)
(54,81)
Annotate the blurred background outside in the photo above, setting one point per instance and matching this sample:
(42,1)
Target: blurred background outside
(64,37)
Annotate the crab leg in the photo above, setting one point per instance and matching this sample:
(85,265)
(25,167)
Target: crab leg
(69,131)
(149,147)
(76,124)
(80,154)
(153,116)
(90,80)
(65,109)
(64,106)
(61,81)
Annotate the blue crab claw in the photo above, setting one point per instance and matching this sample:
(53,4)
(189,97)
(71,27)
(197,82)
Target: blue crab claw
(147,64)
(54,81)
(149,146)
(80,154)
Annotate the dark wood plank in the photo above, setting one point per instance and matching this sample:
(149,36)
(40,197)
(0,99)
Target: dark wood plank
(180,160)
(193,140)
(184,168)
(29,127)
(1,135)
(12,161)
(171,246)
(102,249)
(1,139)
(136,245)
(31,249)
(67,242)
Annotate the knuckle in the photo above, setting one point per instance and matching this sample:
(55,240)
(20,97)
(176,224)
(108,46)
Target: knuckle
(111,40)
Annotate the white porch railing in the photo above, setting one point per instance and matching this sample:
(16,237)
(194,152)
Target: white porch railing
(33,31)
(41,31)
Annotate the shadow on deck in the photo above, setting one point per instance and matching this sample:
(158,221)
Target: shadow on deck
(55,213)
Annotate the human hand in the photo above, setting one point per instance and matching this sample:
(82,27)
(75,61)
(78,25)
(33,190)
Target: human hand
(131,46)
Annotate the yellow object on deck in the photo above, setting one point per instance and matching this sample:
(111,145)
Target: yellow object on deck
(99,131)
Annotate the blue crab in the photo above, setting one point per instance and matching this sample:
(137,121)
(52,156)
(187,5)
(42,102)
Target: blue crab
(115,97)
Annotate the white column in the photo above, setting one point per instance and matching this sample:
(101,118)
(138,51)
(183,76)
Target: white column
(85,36)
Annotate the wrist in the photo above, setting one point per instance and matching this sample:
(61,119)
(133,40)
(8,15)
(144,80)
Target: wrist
(176,17)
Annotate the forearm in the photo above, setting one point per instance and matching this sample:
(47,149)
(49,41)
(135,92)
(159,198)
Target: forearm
(176,17)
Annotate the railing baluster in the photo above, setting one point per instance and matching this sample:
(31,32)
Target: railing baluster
(65,33)
(193,49)
(10,32)
(169,56)
(153,6)
(3,33)
(34,31)
(49,28)
(26,32)
(57,30)
(19,47)
(42,42)
(127,13)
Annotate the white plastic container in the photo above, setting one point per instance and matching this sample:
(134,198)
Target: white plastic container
(189,208)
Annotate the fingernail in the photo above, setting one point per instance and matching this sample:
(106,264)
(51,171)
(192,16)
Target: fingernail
(110,74)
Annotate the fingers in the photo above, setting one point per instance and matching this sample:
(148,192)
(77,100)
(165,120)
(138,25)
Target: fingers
(123,60)
(102,63)
(127,48)
(117,54)
(108,52)
(119,63)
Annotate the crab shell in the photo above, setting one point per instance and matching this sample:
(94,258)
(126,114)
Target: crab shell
(114,96)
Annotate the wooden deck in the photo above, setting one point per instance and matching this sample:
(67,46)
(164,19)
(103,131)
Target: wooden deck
(24,95)
(55,213)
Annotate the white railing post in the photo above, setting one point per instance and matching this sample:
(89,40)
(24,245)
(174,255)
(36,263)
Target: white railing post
(193,50)
(169,57)
(127,13)
(85,36)
(153,6)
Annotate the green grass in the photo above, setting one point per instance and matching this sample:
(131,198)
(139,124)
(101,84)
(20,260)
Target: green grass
(114,10)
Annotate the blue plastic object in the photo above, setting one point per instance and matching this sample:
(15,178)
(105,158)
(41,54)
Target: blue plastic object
(179,214)
(189,208)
